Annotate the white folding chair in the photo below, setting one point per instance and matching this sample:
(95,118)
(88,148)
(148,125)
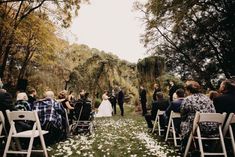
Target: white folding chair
(196,133)
(31,134)
(2,125)
(171,128)
(157,122)
(2,129)
(228,131)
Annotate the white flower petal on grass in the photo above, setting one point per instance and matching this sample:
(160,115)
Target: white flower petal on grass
(78,152)
(112,134)
(100,146)
(151,145)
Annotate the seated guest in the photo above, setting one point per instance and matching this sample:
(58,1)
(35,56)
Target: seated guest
(6,103)
(176,103)
(32,96)
(226,101)
(71,98)
(22,102)
(82,108)
(22,105)
(175,106)
(195,101)
(83,114)
(63,98)
(213,94)
(52,117)
(159,104)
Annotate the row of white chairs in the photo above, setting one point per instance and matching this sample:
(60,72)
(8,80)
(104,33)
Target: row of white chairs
(35,132)
(170,127)
(225,130)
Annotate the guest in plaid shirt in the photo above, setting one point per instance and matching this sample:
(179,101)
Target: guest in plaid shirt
(52,117)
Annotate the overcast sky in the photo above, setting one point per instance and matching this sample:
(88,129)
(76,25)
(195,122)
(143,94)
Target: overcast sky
(109,25)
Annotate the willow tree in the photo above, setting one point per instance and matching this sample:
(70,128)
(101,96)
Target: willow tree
(197,37)
(150,68)
(97,71)
(149,71)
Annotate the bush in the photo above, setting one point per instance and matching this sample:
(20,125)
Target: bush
(97,103)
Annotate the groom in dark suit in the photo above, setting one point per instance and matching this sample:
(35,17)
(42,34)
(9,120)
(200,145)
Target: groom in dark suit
(121,101)
(113,100)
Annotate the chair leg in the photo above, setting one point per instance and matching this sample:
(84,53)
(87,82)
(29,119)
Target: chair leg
(232,139)
(168,129)
(174,133)
(200,142)
(91,128)
(154,125)
(159,126)
(30,146)
(8,142)
(222,141)
(43,145)
(188,145)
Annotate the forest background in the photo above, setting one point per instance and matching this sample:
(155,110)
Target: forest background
(192,39)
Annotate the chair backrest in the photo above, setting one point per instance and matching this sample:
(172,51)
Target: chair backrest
(2,123)
(25,116)
(230,120)
(208,117)
(212,117)
(21,115)
(175,114)
(160,112)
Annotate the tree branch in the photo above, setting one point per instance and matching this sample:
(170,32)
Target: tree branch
(25,15)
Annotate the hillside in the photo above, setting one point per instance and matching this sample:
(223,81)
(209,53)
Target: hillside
(78,67)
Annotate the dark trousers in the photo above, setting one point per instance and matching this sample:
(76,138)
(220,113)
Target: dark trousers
(55,134)
(149,119)
(114,108)
(121,108)
(144,109)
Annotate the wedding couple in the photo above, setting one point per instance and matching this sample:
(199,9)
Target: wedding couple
(105,109)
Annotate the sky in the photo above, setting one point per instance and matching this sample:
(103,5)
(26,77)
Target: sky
(111,26)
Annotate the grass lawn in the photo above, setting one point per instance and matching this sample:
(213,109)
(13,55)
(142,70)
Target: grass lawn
(115,137)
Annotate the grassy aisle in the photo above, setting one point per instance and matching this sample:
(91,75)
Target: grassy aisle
(114,137)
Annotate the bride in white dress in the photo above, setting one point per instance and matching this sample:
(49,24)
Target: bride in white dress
(105,109)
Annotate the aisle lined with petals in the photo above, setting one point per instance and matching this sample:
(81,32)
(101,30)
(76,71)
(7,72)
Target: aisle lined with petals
(115,137)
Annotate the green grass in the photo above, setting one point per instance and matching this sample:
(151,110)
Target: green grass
(115,137)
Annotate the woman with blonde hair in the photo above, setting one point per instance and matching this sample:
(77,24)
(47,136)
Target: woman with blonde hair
(22,102)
